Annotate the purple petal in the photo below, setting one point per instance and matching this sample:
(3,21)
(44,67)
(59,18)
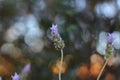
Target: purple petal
(110,37)
(15,77)
(26,69)
(54,29)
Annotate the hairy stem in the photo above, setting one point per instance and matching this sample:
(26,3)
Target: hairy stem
(103,69)
(61,61)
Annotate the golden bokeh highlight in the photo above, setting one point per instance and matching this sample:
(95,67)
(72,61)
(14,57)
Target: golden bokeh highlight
(95,70)
(96,64)
(55,68)
(83,72)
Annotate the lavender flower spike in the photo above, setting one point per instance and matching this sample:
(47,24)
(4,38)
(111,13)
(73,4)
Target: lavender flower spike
(15,77)
(58,42)
(110,38)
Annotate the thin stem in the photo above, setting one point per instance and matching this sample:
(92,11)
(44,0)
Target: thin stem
(103,68)
(61,61)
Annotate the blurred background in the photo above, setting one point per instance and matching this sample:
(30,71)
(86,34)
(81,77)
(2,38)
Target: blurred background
(25,37)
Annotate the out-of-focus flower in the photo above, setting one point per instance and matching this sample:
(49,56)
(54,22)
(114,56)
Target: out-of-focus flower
(58,42)
(83,72)
(26,69)
(114,39)
(55,68)
(107,42)
(15,77)
(25,72)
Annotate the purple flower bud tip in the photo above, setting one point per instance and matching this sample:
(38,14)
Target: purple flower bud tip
(54,29)
(26,69)
(110,37)
(15,77)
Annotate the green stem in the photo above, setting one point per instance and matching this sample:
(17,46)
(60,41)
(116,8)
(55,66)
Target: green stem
(103,68)
(61,61)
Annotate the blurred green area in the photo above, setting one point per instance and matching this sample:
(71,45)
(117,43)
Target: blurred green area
(25,34)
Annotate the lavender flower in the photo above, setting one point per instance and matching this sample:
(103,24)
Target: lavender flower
(25,72)
(111,41)
(26,69)
(15,77)
(106,44)
(110,38)
(58,42)
(54,30)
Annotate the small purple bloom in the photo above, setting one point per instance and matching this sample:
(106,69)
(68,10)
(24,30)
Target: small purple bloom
(54,30)
(26,69)
(110,38)
(15,77)
(54,27)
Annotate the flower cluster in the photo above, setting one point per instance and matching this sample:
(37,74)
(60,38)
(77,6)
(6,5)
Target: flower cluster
(58,42)
(108,42)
